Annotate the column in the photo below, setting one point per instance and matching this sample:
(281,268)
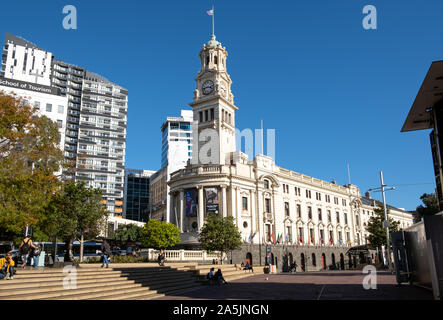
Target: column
(224,201)
(181,203)
(201,203)
(170,214)
(234,201)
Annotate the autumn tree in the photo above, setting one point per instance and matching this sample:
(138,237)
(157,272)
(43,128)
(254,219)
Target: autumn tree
(29,157)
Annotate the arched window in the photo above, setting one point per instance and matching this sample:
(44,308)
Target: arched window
(266,184)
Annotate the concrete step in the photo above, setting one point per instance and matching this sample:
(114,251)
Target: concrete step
(149,296)
(121,293)
(53,286)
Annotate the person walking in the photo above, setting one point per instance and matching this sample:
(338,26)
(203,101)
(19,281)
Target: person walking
(7,267)
(106,253)
(25,249)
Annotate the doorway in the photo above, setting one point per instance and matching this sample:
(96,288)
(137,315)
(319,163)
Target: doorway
(302,261)
(323,261)
(342,261)
(249,258)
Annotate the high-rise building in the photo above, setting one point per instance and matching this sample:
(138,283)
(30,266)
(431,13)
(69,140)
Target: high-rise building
(93,127)
(136,194)
(176,152)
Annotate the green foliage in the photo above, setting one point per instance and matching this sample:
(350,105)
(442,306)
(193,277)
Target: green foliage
(160,235)
(430,207)
(129,233)
(29,156)
(377,233)
(220,234)
(75,210)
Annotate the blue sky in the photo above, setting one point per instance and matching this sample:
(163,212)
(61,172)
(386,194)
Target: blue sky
(334,92)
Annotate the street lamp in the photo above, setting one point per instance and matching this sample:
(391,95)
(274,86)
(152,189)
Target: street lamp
(382,189)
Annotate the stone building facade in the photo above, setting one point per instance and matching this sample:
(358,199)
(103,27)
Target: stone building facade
(298,217)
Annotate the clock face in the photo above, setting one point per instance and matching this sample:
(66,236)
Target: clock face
(208,87)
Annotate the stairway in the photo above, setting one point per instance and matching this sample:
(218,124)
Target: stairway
(119,282)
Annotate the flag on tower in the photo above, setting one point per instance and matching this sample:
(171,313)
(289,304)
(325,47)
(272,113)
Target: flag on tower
(210,12)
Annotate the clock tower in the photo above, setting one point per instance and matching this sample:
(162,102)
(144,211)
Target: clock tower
(213,107)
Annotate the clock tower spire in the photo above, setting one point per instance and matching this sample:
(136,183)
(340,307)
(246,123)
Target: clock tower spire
(213,103)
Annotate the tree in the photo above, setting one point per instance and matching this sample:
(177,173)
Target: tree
(75,211)
(160,235)
(430,205)
(29,157)
(220,234)
(377,232)
(129,232)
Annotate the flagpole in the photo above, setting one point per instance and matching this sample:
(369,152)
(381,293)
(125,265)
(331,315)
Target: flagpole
(213,21)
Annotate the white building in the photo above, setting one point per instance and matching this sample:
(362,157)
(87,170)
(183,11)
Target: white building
(298,216)
(45,100)
(176,152)
(90,110)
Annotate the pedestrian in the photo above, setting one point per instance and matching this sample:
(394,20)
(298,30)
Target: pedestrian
(35,253)
(7,267)
(219,277)
(106,253)
(25,249)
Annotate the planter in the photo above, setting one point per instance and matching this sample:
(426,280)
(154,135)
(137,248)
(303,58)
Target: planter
(266,270)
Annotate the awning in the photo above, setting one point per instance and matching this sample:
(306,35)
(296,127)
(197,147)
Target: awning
(357,250)
(431,91)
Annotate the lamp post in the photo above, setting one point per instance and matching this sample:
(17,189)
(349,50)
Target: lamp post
(382,189)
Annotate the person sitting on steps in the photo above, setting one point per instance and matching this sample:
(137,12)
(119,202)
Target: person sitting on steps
(7,267)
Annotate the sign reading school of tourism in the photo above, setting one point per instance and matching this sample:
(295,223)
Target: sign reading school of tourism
(17,84)
(212,202)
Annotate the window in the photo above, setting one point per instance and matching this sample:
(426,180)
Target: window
(60,123)
(329,216)
(344,202)
(318,196)
(268,232)
(357,222)
(206,115)
(201,116)
(346,218)
(61,109)
(338,217)
(37,105)
(48,107)
(245,203)
(319,215)
(288,234)
(266,184)
(212,114)
(298,211)
(300,234)
(308,193)
(328,198)
(331,236)
(297,191)
(267,205)
(287,209)
(322,236)
(311,236)
(335,200)
(310,213)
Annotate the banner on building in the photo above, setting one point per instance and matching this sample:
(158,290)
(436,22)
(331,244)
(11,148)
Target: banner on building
(212,201)
(191,203)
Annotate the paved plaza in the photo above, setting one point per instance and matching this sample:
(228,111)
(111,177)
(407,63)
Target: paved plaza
(332,285)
